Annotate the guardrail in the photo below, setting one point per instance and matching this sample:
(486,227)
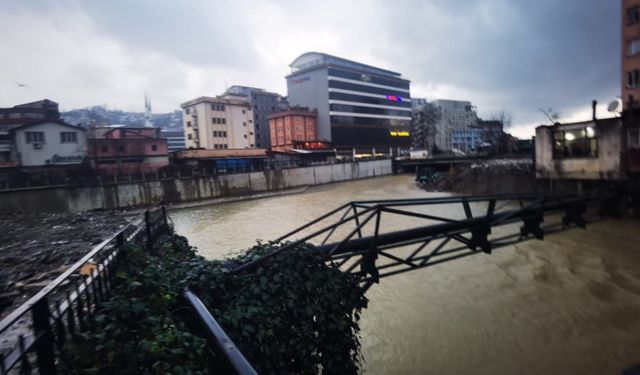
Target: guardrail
(40,327)
(228,359)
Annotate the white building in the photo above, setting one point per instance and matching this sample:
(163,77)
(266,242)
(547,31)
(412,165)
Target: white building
(217,123)
(454,115)
(49,143)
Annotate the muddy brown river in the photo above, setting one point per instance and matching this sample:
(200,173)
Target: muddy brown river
(567,305)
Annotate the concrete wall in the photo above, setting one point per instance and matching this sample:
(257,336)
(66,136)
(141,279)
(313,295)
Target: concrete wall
(135,194)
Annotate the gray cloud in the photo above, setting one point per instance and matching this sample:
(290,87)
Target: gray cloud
(514,54)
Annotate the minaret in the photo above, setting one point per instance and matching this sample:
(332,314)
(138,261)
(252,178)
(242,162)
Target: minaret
(147,112)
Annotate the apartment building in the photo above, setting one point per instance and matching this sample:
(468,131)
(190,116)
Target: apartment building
(454,115)
(630,53)
(263,102)
(218,123)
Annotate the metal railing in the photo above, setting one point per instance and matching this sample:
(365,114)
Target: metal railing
(39,328)
(359,237)
(228,359)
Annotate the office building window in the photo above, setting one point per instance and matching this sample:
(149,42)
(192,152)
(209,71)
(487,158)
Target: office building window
(633,78)
(68,137)
(154,147)
(579,143)
(35,137)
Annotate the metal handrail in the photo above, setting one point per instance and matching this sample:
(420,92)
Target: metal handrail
(219,342)
(51,323)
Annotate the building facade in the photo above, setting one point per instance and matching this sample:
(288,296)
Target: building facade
(218,123)
(19,115)
(453,115)
(175,140)
(49,143)
(128,150)
(264,103)
(630,53)
(295,124)
(467,140)
(359,106)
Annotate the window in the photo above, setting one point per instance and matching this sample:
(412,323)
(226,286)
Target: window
(222,107)
(214,107)
(224,134)
(35,137)
(633,15)
(68,137)
(120,148)
(224,121)
(225,146)
(245,136)
(250,121)
(252,145)
(633,78)
(189,136)
(633,47)
(578,143)
(188,124)
(244,124)
(104,149)
(187,111)
(214,120)
(215,133)
(154,147)
(243,111)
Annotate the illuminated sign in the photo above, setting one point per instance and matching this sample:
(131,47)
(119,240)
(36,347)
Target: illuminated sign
(399,134)
(394,98)
(301,79)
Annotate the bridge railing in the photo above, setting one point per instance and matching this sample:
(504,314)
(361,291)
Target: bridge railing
(34,334)
(360,237)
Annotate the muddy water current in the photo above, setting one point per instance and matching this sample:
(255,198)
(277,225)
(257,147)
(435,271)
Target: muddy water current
(567,305)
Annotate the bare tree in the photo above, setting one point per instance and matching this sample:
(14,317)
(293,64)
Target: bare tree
(504,117)
(551,114)
(423,127)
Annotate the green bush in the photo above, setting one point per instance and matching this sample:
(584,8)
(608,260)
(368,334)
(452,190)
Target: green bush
(293,314)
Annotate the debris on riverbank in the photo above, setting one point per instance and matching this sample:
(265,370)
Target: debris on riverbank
(36,248)
(489,177)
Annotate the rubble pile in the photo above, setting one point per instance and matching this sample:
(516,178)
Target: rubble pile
(36,248)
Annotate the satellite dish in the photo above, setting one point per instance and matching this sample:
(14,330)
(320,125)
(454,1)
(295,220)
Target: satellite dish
(613,106)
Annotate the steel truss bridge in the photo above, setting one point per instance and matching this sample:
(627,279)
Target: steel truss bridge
(381,238)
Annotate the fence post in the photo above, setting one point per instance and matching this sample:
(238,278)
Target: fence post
(147,226)
(44,345)
(164,215)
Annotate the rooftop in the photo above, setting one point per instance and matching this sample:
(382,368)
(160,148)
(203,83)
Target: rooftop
(310,60)
(215,100)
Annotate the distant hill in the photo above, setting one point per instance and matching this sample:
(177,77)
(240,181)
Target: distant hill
(99,115)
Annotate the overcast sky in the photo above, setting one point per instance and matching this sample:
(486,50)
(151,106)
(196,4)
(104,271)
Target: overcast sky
(517,55)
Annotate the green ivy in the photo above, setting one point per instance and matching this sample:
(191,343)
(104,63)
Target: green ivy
(293,314)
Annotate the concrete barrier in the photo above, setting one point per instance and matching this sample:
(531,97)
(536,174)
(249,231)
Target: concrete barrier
(138,194)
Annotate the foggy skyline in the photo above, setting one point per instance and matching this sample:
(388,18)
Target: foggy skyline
(513,55)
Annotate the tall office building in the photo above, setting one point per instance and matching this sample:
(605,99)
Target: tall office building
(217,123)
(630,52)
(359,105)
(263,102)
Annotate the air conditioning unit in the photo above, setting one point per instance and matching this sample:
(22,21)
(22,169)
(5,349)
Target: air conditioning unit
(37,145)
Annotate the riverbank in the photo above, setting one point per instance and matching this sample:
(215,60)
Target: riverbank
(494,177)
(35,249)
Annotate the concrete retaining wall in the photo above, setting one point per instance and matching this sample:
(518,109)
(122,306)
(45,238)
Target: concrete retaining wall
(136,194)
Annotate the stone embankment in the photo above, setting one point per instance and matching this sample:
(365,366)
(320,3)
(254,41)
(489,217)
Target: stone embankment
(130,194)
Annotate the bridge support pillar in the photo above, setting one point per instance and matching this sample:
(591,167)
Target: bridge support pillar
(479,239)
(574,215)
(532,226)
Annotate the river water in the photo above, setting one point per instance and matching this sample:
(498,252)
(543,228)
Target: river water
(567,305)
